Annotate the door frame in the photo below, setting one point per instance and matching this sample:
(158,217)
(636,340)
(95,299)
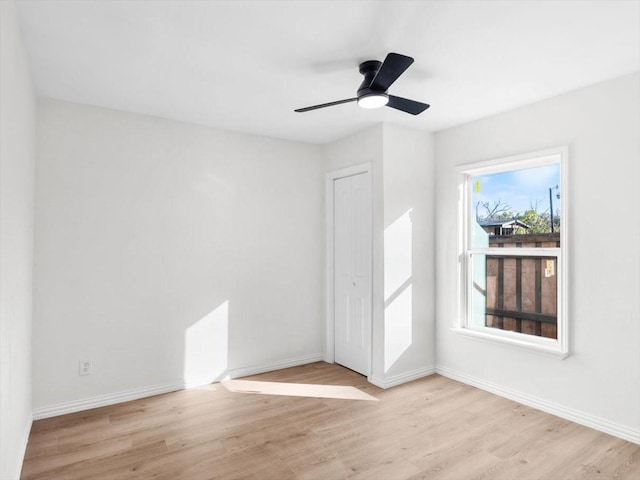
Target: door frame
(329,349)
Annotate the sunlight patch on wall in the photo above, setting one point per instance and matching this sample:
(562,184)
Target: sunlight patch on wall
(397,254)
(398,301)
(398,322)
(206,347)
(297,390)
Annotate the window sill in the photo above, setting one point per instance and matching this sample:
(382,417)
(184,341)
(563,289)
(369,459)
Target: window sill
(552,349)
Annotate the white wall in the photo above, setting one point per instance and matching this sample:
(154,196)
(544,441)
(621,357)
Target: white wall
(17,113)
(601,378)
(403,288)
(167,252)
(366,147)
(409,269)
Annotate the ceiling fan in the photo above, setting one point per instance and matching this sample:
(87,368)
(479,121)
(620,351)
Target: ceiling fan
(372,92)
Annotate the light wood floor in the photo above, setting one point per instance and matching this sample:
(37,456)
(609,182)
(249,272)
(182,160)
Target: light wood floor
(433,428)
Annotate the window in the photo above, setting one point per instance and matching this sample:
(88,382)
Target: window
(513,238)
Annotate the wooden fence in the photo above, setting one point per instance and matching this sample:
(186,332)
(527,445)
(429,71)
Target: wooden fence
(521,291)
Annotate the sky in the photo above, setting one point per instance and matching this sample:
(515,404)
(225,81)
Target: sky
(521,189)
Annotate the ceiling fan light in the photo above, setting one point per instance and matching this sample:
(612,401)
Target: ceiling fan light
(375,100)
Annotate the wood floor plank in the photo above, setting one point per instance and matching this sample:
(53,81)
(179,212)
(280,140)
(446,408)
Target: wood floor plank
(37,467)
(430,429)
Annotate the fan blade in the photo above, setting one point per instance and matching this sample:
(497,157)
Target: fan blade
(392,67)
(406,105)
(330,104)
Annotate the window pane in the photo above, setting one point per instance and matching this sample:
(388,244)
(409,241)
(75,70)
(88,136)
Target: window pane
(516,293)
(517,203)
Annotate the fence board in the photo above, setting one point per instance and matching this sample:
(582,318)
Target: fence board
(519,296)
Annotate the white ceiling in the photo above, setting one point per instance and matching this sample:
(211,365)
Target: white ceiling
(246,65)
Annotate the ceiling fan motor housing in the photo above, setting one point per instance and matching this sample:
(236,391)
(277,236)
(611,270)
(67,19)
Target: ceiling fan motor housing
(369,69)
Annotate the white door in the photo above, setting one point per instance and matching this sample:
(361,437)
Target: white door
(352,271)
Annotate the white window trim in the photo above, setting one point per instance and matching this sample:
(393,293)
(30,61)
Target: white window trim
(557,348)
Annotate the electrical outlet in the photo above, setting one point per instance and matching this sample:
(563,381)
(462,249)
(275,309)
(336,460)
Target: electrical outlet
(84,367)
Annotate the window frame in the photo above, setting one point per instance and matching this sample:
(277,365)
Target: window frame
(556,347)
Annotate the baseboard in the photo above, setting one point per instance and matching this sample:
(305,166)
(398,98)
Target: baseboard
(202,381)
(149,391)
(573,415)
(393,380)
(279,365)
(103,400)
(256,369)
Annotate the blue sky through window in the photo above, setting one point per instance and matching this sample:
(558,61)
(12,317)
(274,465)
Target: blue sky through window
(521,189)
